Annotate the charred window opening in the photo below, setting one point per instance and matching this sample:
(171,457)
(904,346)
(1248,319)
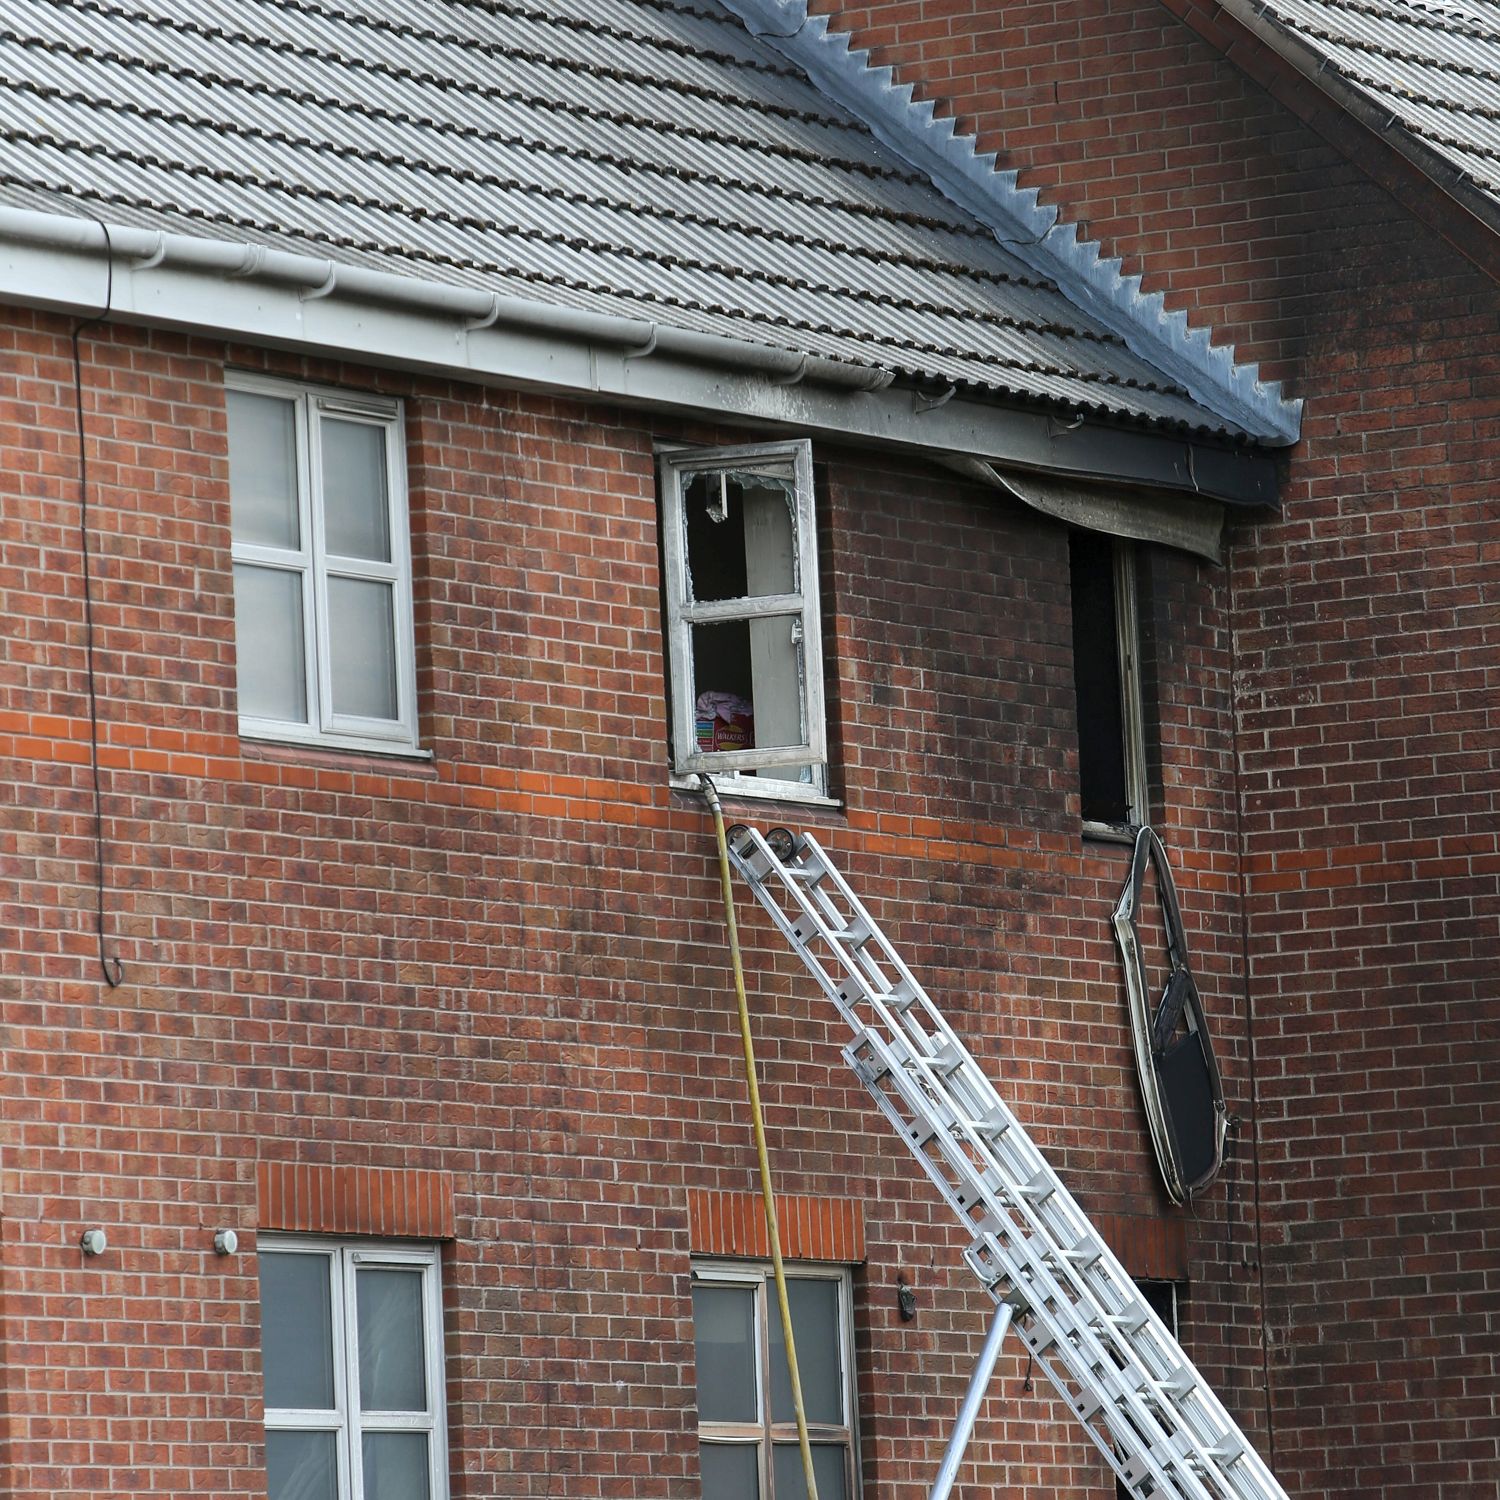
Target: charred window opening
(1161,1297)
(742,615)
(1106,681)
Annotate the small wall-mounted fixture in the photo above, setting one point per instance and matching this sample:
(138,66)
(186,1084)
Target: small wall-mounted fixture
(906,1299)
(94,1242)
(226,1242)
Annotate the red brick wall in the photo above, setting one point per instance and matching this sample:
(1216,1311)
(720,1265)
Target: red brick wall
(1365,650)
(503,970)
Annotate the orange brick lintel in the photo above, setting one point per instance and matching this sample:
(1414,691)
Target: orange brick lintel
(1150,1249)
(721,1223)
(400,1202)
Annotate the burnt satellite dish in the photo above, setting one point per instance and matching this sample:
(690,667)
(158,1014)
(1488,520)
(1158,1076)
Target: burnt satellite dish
(1174,1057)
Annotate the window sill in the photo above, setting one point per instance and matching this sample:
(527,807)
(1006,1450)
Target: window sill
(1109,833)
(283,746)
(744,789)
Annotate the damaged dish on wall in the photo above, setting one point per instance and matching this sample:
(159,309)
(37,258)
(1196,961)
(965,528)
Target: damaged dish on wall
(1174,1056)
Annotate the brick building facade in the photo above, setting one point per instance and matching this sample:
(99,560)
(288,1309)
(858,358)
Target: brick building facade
(478,999)
(1364,648)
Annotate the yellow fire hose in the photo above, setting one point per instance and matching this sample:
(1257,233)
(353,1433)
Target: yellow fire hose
(757,1121)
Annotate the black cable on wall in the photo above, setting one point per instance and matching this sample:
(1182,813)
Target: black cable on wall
(110,965)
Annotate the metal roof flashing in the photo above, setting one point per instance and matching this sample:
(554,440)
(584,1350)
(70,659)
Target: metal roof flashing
(1028,229)
(278,298)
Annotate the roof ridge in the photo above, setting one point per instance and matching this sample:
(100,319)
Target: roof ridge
(1030,230)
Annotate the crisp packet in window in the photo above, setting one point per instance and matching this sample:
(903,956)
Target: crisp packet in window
(724,721)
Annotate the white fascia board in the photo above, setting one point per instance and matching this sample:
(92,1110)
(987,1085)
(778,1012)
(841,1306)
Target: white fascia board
(311,305)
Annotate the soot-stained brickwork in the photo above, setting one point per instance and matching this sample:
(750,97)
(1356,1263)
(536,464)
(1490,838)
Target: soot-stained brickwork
(483,998)
(1365,650)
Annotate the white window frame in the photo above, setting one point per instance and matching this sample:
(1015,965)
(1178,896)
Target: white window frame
(790,459)
(345,1419)
(313,563)
(1132,713)
(760,1278)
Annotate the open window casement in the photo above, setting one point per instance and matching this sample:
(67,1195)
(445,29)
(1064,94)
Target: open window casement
(742,616)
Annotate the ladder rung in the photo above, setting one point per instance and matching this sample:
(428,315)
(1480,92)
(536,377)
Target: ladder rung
(1085,1253)
(989,1127)
(1040,1188)
(945,1062)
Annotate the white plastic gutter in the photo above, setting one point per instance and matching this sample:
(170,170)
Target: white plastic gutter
(256,295)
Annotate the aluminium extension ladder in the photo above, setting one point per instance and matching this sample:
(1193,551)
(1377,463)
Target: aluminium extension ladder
(1077,1311)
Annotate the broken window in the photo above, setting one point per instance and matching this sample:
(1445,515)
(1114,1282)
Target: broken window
(742,617)
(1106,680)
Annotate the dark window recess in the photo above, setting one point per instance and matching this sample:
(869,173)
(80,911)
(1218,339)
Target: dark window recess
(1162,1297)
(1102,778)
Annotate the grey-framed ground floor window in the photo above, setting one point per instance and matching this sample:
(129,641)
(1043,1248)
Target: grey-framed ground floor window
(747,1433)
(352,1347)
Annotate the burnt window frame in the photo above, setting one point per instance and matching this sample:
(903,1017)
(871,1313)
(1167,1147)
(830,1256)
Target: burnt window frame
(788,460)
(1129,701)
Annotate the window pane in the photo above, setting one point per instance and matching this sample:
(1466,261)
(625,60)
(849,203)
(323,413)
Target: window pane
(828,1471)
(747,681)
(392,1369)
(272,668)
(396,1466)
(741,535)
(730,1470)
(296,1310)
(301,1465)
(362,644)
(815,1321)
(356,505)
(724,1333)
(263,470)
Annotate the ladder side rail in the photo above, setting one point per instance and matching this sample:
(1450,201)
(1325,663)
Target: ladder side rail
(1084,1349)
(817,909)
(1058,1220)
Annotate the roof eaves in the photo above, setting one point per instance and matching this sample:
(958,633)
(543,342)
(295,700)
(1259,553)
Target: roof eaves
(1028,229)
(1324,74)
(272,297)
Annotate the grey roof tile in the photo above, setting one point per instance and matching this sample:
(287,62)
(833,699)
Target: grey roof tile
(1429,73)
(634,157)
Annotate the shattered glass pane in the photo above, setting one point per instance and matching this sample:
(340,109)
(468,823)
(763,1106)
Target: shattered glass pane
(741,536)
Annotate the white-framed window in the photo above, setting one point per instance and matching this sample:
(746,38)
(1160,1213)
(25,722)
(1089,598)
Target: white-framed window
(322,566)
(1107,683)
(747,1432)
(744,641)
(352,1350)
